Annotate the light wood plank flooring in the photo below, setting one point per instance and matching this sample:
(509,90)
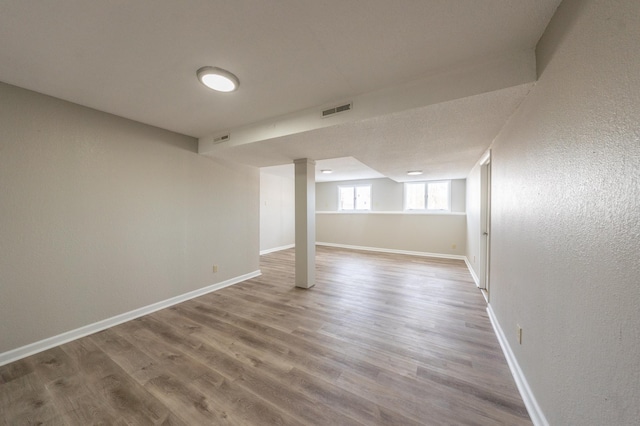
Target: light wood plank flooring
(380,340)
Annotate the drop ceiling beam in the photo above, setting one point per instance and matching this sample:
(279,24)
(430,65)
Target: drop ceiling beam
(486,75)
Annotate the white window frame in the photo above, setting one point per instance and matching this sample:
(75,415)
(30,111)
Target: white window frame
(426,196)
(340,187)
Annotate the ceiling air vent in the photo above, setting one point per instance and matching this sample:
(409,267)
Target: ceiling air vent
(222,138)
(337,110)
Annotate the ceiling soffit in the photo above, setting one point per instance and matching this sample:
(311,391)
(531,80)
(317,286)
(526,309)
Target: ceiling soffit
(440,124)
(497,73)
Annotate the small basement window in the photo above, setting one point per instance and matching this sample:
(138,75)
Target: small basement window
(357,197)
(429,196)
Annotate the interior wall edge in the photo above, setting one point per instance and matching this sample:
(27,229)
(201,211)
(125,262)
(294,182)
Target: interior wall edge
(60,339)
(476,280)
(535,412)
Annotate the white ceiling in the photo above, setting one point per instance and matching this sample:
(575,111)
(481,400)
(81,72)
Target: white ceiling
(138,59)
(443,140)
(345,168)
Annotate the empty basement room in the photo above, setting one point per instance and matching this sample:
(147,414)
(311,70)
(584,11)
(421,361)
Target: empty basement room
(320,213)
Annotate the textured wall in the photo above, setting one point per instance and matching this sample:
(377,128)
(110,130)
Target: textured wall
(566,218)
(277,211)
(100,215)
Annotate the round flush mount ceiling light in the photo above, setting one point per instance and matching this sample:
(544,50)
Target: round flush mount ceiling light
(218,79)
(414,172)
(326,171)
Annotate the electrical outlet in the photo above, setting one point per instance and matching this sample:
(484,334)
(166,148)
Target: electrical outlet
(215,268)
(519,329)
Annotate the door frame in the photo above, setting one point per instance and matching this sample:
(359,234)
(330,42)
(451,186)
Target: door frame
(485,225)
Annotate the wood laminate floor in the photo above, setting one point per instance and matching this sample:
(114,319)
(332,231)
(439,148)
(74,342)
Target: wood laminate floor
(380,340)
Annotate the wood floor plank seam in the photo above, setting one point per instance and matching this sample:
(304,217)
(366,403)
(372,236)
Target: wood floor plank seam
(382,339)
(494,346)
(389,412)
(238,373)
(176,361)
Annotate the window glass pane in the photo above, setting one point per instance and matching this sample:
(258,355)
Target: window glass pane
(438,196)
(363,197)
(415,196)
(346,197)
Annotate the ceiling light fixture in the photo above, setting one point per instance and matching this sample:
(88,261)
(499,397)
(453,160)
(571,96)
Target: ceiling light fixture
(414,172)
(326,171)
(218,79)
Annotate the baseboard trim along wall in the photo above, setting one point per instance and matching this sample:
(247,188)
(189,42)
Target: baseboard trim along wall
(403,212)
(48,343)
(535,412)
(394,251)
(271,250)
(472,272)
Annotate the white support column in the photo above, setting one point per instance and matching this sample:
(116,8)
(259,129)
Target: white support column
(305,184)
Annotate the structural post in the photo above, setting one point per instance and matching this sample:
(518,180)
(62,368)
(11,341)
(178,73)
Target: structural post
(305,184)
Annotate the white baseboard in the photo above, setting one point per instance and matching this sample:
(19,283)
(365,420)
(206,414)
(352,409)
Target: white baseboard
(472,272)
(271,250)
(48,343)
(394,251)
(535,412)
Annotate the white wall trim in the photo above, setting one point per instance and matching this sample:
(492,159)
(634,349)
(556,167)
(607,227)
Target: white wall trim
(271,250)
(535,412)
(408,212)
(472,272)
(485,157)
(386,250)
(50,342)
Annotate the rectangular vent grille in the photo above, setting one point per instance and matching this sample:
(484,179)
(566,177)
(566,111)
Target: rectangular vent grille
(337,110)
(222,138)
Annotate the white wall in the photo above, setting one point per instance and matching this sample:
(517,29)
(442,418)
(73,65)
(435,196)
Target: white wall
(277,212)
(566,218)
(387,226)
(474,224)
(100,216)
(458,195)
(423,233)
